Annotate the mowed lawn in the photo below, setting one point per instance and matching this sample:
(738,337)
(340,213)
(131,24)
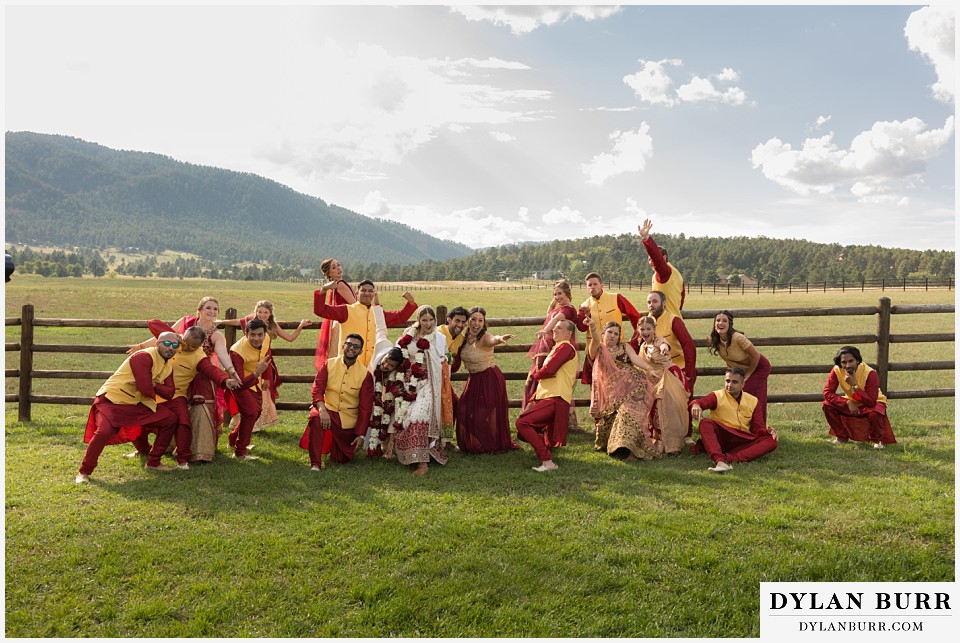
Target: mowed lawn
(483,546)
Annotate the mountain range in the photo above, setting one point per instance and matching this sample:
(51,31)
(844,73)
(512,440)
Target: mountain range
(66,192)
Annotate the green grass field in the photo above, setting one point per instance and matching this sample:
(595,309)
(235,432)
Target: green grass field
(483,546)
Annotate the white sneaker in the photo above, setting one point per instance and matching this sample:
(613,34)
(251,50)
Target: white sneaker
(183,465)
(81,478)
(135,454)
(688,441)
(837,441)
(878,445)
(315,468)
(720,467)
(245,457)
(543,468)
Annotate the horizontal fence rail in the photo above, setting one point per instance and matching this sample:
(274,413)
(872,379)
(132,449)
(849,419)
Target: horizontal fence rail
(526,282)
(26,374)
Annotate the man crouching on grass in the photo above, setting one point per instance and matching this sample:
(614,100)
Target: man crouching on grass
(544,423)
(342,404)
(126,406)
(734,432)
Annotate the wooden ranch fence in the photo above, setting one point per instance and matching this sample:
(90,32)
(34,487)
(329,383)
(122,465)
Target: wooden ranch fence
(883,338)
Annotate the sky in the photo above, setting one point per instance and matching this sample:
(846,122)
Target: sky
(490,125)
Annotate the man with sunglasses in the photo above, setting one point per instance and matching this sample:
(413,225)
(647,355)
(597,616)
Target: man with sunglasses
(250,356)
(126,407)
(342,402)
(186,362)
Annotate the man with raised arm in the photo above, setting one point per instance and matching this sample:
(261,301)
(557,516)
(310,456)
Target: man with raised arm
(126,406)
(602,307)
(544,423)
(858,410)
(734,432)
(358,317)
(250,356)
(666,278)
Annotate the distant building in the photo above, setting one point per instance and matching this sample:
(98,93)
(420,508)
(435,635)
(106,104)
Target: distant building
(547,274)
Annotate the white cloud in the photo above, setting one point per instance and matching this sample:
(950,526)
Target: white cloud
(888,157)
(631,150)
(931,31)
(700,90)
(502,137)
(387,106)
(524,19)
(471,226)
(524,213)
(634,210)
(652,84)
(728,75)
(821,121)
(609,109)
(562,215)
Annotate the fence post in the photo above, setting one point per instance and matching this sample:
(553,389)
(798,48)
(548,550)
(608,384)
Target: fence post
(883,342)
(26,362)
(230,332)
(441,314)
(862,283)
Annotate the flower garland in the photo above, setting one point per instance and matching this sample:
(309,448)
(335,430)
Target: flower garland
(394,395)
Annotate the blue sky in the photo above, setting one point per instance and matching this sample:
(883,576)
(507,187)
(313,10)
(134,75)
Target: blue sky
(490,125)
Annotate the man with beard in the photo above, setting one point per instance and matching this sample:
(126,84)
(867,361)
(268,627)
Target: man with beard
(859,411)
(126,406)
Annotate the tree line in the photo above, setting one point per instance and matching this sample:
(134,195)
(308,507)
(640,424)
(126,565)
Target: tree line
(699,259)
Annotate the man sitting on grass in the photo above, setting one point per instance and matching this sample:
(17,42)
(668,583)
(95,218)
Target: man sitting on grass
(733,432)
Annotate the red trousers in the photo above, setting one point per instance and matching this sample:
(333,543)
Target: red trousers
(250,403)
(108,418)
(870,425)
(544,425)
(341,446)
(183,435)
(722,442)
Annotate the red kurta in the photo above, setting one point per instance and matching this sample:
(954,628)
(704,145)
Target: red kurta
(870,425)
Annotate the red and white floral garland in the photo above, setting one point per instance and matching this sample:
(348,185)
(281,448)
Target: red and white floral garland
(393,397)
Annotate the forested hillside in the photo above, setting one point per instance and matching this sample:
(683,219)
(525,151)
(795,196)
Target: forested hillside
(699,259)
(64,192)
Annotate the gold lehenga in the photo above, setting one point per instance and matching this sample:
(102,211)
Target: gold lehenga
(670,416)
(621,406)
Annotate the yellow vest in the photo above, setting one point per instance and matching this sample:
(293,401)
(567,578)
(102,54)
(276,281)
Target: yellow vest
(665,330)
(561,384)
(672,290)
(121,387)
(360,321)
(453,345)
(184,370)
(603,310)
(862,372)
(251,356)
(731,413)
(343,389)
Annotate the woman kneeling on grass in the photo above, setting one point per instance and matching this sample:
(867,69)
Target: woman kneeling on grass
(620,397)
(424,351)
